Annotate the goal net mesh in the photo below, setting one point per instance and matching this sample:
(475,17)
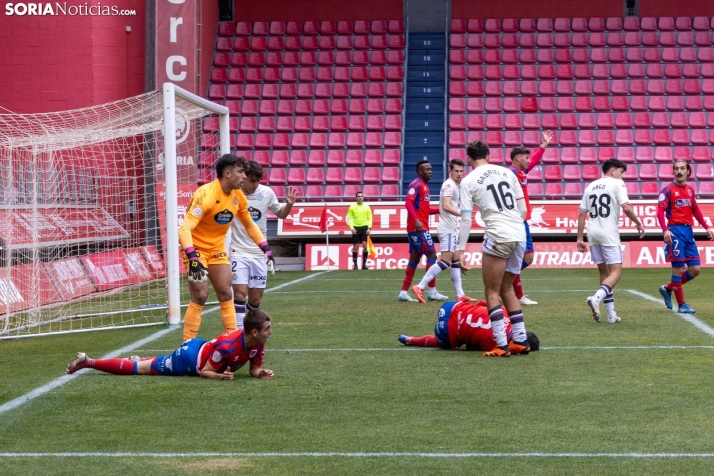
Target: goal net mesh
(82,214)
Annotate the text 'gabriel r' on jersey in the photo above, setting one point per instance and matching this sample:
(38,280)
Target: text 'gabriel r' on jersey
(496,193)
(603,200)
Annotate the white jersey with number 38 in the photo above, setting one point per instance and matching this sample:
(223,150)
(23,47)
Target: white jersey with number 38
(603,200)
(495,191)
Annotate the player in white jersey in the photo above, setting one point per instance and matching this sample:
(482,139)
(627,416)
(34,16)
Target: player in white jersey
(498,195)
(448,230)
(250,271)
(603,200)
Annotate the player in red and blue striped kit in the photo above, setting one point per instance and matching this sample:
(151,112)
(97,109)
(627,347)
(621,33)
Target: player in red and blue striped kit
(420,240)
(215,359)
(466,323)
(678,202)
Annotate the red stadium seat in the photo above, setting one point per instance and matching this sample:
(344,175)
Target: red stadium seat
(337,158)
(553,173)
(334,176)
(354,157)
(317,158)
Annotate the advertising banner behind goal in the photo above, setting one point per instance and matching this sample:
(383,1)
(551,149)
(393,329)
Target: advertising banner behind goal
(635,254)
(390,218)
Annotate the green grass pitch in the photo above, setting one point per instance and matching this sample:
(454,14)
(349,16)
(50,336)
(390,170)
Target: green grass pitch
(596,399)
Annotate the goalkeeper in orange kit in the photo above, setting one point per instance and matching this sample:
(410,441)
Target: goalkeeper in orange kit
(202,235)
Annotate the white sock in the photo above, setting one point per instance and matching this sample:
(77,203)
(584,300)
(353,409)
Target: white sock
(499,333)
(519,332)
(240,313)
(602,291)
(497,327)
(518,327)
(610,305)
(432,273)
(456,278)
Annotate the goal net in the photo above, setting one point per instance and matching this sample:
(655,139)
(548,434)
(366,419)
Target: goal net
(90,202)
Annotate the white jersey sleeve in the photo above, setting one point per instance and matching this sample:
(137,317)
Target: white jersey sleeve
(495,191)
(259,202)
(603,200)
(448,223)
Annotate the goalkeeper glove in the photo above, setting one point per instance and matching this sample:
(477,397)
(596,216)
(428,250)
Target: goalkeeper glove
(197,273)
(265,248)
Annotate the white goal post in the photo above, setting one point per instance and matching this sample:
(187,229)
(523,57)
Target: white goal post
(90,203)
(171,92)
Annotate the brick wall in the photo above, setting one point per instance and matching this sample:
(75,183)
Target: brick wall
(53,63)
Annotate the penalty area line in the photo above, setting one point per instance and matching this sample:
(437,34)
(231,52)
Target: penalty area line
(354,455)
(687,317)
(58,382)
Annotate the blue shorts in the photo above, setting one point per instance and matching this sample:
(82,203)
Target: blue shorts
(182,362)
(420,242)
(529,239)
(441,329)
(683,248)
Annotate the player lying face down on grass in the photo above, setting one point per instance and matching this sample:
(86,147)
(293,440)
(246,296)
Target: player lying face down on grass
(467,323)
(202,235)
(215,359)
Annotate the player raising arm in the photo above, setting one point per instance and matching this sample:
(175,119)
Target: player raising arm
(248,265)
(678,202)
(448,230)
(522,163)
(467,323)
(603,200)
(215,359)
(498,195)
(203,238)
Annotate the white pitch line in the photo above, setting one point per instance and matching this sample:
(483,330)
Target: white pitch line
(58,382)
(354,455)
(414,347)
(687,317)
(394,292)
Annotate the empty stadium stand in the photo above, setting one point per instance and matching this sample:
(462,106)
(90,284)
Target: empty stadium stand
(318,104)
(329,108)
(639,89)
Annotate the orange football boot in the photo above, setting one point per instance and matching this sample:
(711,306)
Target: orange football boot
(521,348)
(419,293)
(498,352)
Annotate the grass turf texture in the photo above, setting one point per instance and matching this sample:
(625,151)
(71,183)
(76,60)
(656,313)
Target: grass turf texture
(575,400)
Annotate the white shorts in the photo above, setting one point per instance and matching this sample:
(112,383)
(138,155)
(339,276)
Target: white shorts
(250,270)
(606,254)
(449,242)
(512,252)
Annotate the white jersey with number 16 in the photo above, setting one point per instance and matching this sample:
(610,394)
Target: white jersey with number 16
(495,191)
(603,200)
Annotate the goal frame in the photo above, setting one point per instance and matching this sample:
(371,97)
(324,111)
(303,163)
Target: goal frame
(170,92)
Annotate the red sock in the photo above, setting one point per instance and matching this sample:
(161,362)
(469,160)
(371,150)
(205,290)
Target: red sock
(517,288)
(678,291)
(685,279)
(432,283)
(112,366)
(408,277)
(424,341)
